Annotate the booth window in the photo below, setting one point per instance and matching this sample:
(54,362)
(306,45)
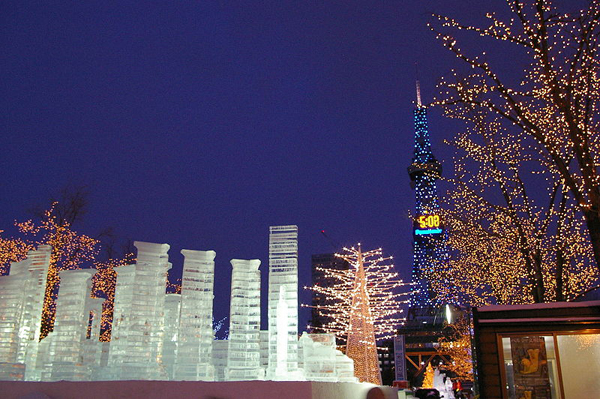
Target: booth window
(551,365)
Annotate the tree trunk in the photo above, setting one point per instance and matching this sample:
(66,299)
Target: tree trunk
(560,263)
(592,219)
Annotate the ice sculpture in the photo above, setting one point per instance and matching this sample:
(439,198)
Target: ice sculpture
(194,347)
(21,303)
(137,352)
(283,303)
(92,347)
(219,358)
(243,357)
(323,362)
(64,358)
(11,310)
(159,336)
(170,337)
(121,321)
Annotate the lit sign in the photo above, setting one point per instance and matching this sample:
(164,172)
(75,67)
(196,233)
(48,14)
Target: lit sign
(428,224)
(429,221)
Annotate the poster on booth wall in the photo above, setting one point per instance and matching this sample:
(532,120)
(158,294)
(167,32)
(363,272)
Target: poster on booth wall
(530,368)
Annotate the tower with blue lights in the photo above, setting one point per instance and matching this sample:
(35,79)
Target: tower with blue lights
(430,237)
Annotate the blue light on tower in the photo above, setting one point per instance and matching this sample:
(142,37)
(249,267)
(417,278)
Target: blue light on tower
(430,236)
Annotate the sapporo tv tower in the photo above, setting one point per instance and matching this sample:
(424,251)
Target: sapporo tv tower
(430,236)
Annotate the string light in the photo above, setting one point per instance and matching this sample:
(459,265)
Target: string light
(70,250)
(430,257)
(552,110)
(456,343)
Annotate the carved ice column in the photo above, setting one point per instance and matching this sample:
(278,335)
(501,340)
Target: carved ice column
(67,341)
(219,358)
(145,328)
(194,348)
(12,298)
(38,263)
(172,316)
(283,303)
(121,322)
(21,304)
(92,347)
(243,358)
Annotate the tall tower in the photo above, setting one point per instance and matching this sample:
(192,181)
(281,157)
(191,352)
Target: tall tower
(430,237)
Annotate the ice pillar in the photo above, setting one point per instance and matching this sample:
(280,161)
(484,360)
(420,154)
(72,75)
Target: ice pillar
(67,340)
(21,305)
(140,333)
(12,298)
(172,316)
(38,263)
(92,347)
(243,358)
(194,351)
(283,303)
(121,322)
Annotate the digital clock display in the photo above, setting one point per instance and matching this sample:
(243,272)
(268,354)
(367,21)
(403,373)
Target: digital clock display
(429,221)
(428,224)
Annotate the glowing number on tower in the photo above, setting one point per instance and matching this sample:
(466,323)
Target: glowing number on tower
(430,221)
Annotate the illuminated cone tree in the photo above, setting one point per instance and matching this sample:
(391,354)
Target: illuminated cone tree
(361,306)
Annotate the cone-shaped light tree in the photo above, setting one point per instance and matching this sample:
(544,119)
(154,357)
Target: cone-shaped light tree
(362,306)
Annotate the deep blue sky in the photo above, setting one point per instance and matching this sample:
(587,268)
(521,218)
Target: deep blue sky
(202,123)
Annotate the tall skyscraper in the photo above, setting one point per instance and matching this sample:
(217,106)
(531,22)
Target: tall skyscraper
(283,302)
(320,262)
(430,237)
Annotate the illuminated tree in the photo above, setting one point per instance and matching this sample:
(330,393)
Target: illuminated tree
(515,234)
(428,377)
(105,280)
(70,250)
(103,286)
(361,307)
(456,343)
(553,103)
(11,250)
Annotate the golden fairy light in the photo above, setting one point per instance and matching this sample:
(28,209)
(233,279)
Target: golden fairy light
(456,344)
(524,215)
(361,305)
(70,250)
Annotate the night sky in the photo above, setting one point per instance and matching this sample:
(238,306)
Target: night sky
(201,123)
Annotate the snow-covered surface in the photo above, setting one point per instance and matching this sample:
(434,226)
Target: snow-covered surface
(538,319)
(553,305)
(190,389)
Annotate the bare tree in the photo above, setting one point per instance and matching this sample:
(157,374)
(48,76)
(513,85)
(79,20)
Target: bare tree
(515,234)
(555,100)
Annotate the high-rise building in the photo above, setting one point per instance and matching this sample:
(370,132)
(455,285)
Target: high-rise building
(318,263)
(283,302)
(430,251)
